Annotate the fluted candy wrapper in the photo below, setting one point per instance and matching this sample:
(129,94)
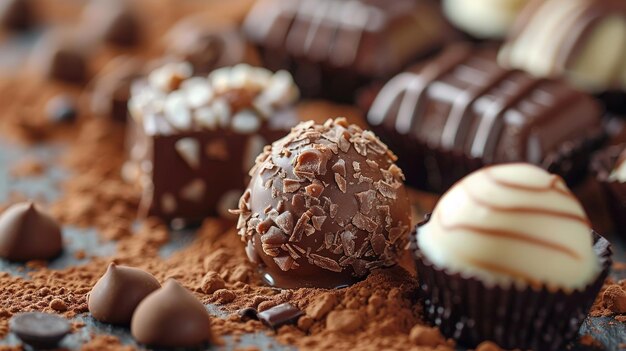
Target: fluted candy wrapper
(470,311)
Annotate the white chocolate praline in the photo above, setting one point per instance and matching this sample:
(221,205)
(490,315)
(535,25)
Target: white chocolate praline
(512,224)
(483,18)
(590,54)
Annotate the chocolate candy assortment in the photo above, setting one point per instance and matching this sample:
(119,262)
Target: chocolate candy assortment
(308,225)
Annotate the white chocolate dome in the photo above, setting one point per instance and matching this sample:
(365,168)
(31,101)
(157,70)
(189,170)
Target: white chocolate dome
(582,40)
(483,18)
(512,223)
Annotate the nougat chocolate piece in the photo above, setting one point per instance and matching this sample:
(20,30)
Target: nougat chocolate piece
(461,111)
(192,140)
(332,47)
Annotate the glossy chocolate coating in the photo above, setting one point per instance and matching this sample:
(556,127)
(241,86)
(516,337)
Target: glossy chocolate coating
(27,234)
(171,317)
(118,292)
(333,46)
(325,206)
(461,111)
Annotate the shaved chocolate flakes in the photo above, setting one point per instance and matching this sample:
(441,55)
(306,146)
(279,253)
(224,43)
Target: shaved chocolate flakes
(318,221)
(284,221)
(340,168)
(325,263)
(312,174)
(364,223)
(387,190)
(366,200)
(291,185)
(341,182)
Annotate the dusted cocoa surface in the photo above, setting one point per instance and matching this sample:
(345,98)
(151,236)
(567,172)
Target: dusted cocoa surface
(77,178)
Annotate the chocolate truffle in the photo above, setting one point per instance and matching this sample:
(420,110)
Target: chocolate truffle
(208,45)
(114,21)
(171,317)
(515,241)
(197,125)
(483,19)
(27,233)
(461,110)
(116,295)
(333,47)
(326,205)
(584,41)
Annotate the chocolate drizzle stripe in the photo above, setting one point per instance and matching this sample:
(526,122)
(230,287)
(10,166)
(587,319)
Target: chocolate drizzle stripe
(452,132)
(506,271)
(527,210)
(551,186)
(409,113)
(485,139)
(508,234)
(417,84)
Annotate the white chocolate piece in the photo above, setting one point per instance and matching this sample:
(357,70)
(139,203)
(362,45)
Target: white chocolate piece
(190,102)
(483,18)
(512,224)
(557,39)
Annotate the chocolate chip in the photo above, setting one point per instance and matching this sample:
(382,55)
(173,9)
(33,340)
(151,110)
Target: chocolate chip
(61,109)
(39,330)
(248,313)
(280,315)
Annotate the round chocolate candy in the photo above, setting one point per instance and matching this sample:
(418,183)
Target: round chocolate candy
(116,295)
(27,234)
(171,317)
(39,330)
(326,204)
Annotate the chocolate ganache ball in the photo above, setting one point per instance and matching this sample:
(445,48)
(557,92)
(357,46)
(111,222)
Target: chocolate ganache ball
(325,205)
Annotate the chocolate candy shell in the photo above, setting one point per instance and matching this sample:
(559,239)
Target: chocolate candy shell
(468,310)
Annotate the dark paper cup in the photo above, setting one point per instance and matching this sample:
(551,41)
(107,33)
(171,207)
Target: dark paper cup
(435,169)
(470,311)
(602,165)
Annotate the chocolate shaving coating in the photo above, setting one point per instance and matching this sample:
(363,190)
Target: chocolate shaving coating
(340,206)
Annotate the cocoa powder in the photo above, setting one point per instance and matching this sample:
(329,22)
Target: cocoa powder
(380,312)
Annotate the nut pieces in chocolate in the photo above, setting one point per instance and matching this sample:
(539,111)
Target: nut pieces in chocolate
(326,204)
(27,233)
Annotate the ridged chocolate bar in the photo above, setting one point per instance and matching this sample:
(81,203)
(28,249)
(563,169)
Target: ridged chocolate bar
(461,111)
(333,47)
